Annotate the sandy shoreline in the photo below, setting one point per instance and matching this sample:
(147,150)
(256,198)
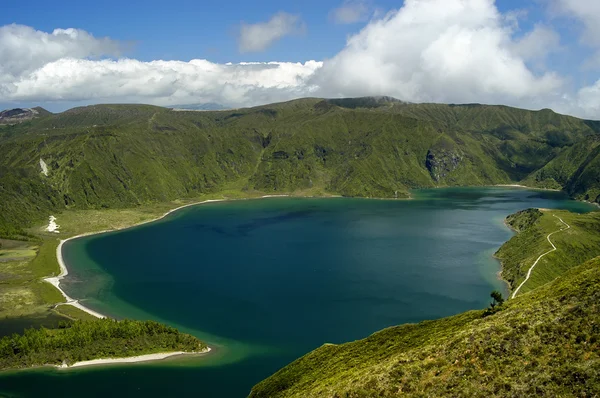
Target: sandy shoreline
(134,359)
(55,280)
(525,186)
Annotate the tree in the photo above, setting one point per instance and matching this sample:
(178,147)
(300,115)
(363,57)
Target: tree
(497,299)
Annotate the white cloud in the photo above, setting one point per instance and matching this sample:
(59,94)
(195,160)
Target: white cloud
(24,49)
(260,36)
(586,11)
(351,11)
(586,14)
(538,43)
(161,82)
(436,51)
(455,51)
(588,100)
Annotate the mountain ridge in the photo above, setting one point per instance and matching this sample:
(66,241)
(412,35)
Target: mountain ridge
(123,155)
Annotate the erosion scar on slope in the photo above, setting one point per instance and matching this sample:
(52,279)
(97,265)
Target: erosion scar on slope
(540,257)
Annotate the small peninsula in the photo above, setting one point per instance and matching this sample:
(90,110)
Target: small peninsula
(95,342)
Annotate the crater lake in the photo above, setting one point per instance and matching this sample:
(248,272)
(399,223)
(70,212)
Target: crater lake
(265,281)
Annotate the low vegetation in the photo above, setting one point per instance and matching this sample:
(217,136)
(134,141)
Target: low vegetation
(575,245)
(85,340)
(125,156)
(112,166)
(544,344)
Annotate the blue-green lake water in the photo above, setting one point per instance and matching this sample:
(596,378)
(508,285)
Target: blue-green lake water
(265,281)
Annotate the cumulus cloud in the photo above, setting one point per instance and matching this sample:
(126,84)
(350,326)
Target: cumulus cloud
(454,51)
(435,51)
(537,44)
(162,82)
(24,49)
(586,14)
(351,11)
(260,36)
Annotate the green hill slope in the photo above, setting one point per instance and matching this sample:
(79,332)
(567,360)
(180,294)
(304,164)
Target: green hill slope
(544,344)
(575,245)
(113,156)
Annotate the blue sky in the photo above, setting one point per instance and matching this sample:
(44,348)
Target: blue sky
(185,30)
(492,44)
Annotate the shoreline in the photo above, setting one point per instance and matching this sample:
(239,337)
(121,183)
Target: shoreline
(64,271)
(526,187)
(55,280)
(134,359)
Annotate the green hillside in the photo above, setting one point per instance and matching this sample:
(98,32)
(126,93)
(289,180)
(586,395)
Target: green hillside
(114,156)
(544,343)
(575,245)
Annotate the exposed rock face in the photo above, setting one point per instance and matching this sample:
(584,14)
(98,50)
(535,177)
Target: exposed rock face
(442,160)
(18,115)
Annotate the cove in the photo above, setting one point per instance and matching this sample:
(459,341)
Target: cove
(265,281)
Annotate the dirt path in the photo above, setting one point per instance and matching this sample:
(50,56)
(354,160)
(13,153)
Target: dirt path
(540,257)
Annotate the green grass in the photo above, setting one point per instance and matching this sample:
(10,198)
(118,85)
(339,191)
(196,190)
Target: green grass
(545,343)
(74,313)
(126,156)
(22,292)
(17,254)
(575,245)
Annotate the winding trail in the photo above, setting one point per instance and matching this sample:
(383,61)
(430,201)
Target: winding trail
(540,257)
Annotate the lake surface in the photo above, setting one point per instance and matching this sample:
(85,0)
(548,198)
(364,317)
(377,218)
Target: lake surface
(265,281)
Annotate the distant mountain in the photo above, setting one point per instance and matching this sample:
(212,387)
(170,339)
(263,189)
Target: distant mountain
(209,106)
(106,156)
(18,115)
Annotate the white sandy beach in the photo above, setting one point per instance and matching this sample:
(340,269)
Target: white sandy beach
(139,358)
(55,280)
(525,186)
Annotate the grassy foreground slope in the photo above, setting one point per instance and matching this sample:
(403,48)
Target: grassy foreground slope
(545,343)
(119,156)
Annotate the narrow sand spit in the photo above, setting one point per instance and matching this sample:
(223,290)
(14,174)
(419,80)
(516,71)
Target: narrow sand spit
(525,186)
(138,358)
(55,280)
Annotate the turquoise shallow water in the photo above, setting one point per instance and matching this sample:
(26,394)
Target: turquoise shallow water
(265,281)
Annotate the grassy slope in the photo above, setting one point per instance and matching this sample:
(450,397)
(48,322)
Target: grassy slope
(579,243)
(545,343)
(21,290)
(519,351)
(122,156)
(116,165)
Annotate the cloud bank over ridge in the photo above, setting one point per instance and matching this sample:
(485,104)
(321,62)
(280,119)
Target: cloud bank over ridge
(427,51)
